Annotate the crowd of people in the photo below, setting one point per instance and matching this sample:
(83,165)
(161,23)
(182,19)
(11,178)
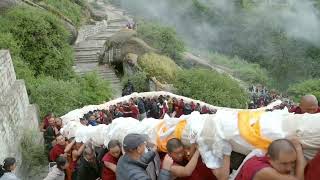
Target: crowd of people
(140,108)
(84,161)
(137,158)
(260,96)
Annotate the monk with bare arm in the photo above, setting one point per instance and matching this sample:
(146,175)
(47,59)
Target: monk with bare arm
(284,161)
(74,149)
(180,167)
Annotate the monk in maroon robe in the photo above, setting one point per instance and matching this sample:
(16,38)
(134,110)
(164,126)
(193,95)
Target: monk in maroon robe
(308,104)
(58,149)
(284,161)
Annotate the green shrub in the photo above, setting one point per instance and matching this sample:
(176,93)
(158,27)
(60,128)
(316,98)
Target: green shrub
(163,38)
(211,87)
(33,155)
(161,67)
(139,81)
(62,96)
(42,40)
(68,8)
(56,96)
(94,90)
(311,86)
(7,41)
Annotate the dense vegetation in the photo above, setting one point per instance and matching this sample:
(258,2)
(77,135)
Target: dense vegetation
(163,38)
(37,40)
(70,9)
(275,36)
(311,86)
(211,87)
(158,66)
(41,41)
(61,96)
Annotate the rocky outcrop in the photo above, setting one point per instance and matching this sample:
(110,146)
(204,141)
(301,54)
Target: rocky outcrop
(122,43)
(72,30)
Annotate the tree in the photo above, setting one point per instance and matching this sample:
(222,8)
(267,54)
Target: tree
(211,87)
(311,86)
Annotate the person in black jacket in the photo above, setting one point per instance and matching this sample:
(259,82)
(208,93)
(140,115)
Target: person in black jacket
(88,169)
(132,165)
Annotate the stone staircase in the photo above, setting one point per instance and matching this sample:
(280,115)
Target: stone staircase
(88,49)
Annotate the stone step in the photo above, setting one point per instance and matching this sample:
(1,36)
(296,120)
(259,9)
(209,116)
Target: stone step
(122,24)
(106,72)
(117,20)
(108,76)
(112,81)
(115,27)
(97,49)
(101,35)
(119,11)
(86,55)
(108,30)
(99,38)
(86,61)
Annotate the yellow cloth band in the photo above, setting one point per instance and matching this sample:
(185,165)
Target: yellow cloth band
(162,143)
(250,130)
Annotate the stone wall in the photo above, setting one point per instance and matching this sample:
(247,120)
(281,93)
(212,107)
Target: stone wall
(90,30)
(16,113)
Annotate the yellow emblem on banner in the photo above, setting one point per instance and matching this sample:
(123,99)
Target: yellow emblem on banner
(162,142)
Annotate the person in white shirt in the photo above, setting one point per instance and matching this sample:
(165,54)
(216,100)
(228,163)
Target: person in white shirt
(7,169)
(57,172)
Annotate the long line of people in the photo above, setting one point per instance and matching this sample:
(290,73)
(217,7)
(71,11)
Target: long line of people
(140,108)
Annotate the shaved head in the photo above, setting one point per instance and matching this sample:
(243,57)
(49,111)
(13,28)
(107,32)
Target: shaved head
(283,156)
(175,150)
(309,104)
(173,144)
(280,146)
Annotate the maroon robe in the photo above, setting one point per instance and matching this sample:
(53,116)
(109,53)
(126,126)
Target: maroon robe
(312,170)
(297,110)
(251,167)
(56,151)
